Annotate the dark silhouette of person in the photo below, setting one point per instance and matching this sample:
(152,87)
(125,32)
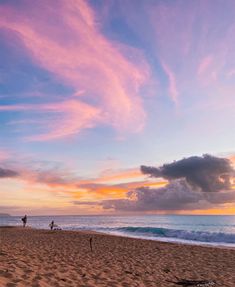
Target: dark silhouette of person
(24,219)
(52,224)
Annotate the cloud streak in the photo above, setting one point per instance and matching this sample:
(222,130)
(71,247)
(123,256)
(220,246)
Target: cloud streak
(173,91)
(65,118)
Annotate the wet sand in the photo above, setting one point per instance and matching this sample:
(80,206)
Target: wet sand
(30,257)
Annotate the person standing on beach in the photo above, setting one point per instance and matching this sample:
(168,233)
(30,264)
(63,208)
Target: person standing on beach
(24,219)
(52,225)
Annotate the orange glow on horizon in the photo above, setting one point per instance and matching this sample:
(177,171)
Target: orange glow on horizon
(58,190)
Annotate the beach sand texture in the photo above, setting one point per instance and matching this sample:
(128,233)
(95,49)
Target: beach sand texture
(30,257)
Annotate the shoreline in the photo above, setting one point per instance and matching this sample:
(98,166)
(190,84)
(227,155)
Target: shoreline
(39,257)
(173,241)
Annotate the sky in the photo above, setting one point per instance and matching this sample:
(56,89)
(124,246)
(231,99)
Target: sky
(117,107)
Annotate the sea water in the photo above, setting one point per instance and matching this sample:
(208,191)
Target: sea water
(193,229)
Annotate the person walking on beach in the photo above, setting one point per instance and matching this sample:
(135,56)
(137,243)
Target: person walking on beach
(24,219)
(52,224)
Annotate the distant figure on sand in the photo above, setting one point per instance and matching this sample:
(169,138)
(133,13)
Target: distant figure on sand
(24,219)
(52,224)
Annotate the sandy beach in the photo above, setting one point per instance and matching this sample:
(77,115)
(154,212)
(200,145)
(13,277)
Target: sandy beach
(30,257)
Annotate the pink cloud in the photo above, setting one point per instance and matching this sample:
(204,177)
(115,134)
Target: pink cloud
(66,41)
(71,117)
(204,65)
(208,70)
(4,155)
(173,91)
(15,107)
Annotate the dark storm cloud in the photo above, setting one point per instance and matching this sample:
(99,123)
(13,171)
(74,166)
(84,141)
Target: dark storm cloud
(4,173)
(194,183)
(207,173)
(177,195)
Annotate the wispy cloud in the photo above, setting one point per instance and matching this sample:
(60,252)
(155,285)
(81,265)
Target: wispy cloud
(173,91)
(204,65)
(195,50)
(74,50)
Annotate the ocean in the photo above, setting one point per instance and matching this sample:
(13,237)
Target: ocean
(193,229)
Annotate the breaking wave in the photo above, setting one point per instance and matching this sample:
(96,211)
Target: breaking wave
(199,236)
